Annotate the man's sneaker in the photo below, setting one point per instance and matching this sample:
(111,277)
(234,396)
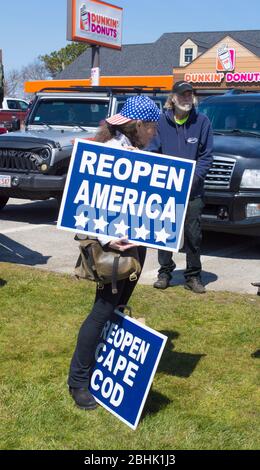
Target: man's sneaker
(161,283)
(195,284)
(83,398)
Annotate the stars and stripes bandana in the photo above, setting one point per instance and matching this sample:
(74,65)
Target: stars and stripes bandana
(137,107)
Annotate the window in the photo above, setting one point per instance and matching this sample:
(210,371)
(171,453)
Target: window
(188,54)
(12,104)
(229,116)
(23,105)
(72,112)
(17,104)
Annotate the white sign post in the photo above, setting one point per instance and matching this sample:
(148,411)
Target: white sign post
(95,74)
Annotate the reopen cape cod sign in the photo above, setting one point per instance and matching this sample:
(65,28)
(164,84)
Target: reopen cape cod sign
(127,357)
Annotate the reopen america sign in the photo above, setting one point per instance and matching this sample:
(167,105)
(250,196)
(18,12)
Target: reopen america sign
(113,193)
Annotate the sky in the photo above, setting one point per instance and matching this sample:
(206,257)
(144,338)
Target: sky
(29,28)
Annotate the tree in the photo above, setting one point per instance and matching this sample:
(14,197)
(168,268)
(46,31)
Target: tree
(34,71)
(14,79)
(56,61)
(45,67)
(12,84)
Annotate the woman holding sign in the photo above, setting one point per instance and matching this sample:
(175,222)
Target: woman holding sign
(133,127)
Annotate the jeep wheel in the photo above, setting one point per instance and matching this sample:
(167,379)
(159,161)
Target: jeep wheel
(3,201)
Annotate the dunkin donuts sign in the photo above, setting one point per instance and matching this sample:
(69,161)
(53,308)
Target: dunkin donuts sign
(95,22)
(225,70)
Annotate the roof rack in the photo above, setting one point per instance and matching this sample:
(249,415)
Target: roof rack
(110,90)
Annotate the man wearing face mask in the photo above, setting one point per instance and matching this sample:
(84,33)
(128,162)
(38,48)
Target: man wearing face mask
(183,132)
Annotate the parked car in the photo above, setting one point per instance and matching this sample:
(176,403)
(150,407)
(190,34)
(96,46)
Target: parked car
(14,104)
(34,162)
(232,186)
(13,112)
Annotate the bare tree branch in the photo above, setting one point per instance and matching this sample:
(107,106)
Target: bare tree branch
(14,79)
(12,83)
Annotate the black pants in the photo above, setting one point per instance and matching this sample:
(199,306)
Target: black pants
(192,244)
(90,331)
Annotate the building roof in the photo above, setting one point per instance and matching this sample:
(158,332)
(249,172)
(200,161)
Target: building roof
(157,58)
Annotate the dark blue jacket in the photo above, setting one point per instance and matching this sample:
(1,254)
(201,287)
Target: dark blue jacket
(192,140)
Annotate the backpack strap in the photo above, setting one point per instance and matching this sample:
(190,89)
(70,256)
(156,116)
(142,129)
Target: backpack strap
(115,274)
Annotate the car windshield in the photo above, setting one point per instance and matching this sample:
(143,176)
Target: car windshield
(72,112)
(239,116)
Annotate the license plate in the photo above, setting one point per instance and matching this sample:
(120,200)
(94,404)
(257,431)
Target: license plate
(5,181)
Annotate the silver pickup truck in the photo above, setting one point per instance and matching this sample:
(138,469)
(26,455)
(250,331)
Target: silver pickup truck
(34,162)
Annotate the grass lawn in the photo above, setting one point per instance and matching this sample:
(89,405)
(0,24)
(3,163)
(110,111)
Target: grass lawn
(204,394)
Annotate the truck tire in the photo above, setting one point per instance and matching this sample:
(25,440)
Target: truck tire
(3,201)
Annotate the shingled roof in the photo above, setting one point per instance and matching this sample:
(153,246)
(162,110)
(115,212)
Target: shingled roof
(157,58)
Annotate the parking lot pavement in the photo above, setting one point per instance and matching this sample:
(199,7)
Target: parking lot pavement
(28,236)
(231,266)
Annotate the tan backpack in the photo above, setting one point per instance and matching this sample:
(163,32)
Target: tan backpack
(104,265)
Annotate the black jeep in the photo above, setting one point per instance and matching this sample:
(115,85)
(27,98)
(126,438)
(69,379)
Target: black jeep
(232,186)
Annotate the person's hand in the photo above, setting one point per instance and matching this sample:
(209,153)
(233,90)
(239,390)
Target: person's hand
(122,244)
(130,147)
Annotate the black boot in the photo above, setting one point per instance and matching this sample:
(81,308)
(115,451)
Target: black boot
(195,285)
(83,398)
(162,282)
(256,284)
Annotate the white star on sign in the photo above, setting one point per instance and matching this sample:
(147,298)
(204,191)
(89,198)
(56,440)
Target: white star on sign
(121,228)
(141,232)
(162,236)
(100,224)
(81,220)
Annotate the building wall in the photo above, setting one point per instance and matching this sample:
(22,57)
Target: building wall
(245,61)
